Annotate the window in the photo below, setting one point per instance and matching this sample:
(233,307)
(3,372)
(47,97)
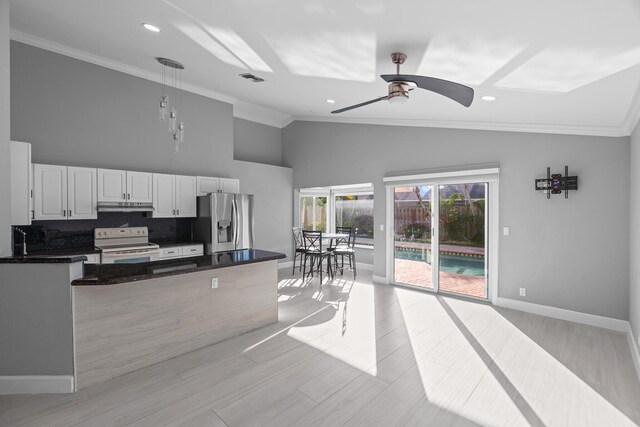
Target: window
(355,210)
(313,212)
(325,208)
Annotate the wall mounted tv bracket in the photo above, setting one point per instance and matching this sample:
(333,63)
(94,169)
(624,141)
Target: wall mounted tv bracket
(555,183)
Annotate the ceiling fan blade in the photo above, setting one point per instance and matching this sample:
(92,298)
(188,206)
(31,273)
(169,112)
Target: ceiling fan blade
(342,110)
(460,93)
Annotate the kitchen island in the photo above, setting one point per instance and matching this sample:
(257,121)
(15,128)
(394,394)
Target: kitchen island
(117,318)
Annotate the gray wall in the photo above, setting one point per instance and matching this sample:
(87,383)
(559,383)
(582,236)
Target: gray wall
(5,185)
(255,142)
(37,320)
(634,234)
(570,253)
(79,114)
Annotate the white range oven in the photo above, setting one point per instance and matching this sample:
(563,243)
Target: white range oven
(125,245)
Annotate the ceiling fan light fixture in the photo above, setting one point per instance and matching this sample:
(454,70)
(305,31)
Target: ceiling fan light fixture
(331,101)
(489,98)
(398,93)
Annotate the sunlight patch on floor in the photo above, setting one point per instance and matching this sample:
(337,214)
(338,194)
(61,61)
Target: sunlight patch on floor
(475,363)
(346,329)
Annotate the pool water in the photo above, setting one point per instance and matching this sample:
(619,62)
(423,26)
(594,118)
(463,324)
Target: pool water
(469,266)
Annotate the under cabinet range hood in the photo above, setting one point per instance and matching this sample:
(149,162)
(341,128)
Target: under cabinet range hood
(124,207)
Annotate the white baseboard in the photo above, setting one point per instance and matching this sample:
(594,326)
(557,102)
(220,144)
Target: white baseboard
(635,350)
(35,384)
(364,267)
(560,313)
(380,279)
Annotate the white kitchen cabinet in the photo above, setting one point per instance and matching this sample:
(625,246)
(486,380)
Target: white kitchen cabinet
(50,192)
(229,185)
(174,196)
(139,187)
(62,192)
(112,185)
(92,259)
(124,186)
(170,253)
(181,251)
(206,184)
(21,183)
(192,250)
(81,193)
(186,196)
(164,204)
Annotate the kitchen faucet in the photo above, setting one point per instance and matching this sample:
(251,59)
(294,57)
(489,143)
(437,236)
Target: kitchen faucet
(24,240)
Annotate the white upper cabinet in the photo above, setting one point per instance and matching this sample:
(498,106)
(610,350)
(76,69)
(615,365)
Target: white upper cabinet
(207,185)
(112,185)
(62,192)
(124,186)
(139,187)
(217,185)
(21,183)
(174,196)
(229,185)
(50,191)
(164,195)
(81,193)
(185,196)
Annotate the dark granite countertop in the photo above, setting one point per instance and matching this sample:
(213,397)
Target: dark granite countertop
(111,274)
(65,252)
(42,259)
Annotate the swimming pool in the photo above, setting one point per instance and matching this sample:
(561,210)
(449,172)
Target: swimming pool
(469,266)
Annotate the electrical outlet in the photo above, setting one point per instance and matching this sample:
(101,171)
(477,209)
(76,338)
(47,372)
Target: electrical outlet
(506,231)
(381,227)
(214,283)
(523,292)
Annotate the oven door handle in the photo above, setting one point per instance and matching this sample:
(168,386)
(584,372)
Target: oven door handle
(137,251)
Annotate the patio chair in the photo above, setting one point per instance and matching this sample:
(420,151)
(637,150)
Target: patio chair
(298,248)
(315,253)
(346,250)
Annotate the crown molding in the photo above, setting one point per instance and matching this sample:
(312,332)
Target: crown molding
(611,131)
(256,113)
(241,109)
(633,115)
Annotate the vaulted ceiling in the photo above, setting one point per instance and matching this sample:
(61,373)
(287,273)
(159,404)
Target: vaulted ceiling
(570,66)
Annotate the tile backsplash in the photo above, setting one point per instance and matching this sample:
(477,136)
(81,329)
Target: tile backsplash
(70,234)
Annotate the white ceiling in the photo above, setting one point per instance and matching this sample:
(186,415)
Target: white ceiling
(570,66)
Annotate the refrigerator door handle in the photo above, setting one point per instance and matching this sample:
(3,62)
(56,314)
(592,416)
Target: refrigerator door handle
(235,202)
(234,214)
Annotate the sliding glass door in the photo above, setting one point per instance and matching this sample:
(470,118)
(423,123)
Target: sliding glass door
(413,216)
(462,239)
(440,237)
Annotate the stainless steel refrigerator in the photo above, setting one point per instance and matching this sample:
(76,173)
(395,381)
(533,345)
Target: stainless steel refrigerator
(225,222)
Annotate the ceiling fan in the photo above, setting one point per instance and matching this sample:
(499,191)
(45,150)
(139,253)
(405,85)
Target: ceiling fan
(401,84)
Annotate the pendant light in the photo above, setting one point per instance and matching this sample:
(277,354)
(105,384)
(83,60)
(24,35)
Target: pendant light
(168,106)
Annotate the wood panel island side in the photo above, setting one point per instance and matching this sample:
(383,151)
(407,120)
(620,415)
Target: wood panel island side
(128,316)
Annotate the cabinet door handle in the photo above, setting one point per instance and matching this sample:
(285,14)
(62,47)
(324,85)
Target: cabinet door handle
(124,196)
(33,214)
(178,212)
(69,213)
(128,196)
(64,212)
(174,211)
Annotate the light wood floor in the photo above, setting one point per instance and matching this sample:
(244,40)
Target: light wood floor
(353,353)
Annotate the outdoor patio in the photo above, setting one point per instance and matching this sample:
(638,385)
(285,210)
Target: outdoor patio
(418,273)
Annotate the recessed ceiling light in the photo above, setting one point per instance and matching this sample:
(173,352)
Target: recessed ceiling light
(488,98)
(331,101)
(151,27)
